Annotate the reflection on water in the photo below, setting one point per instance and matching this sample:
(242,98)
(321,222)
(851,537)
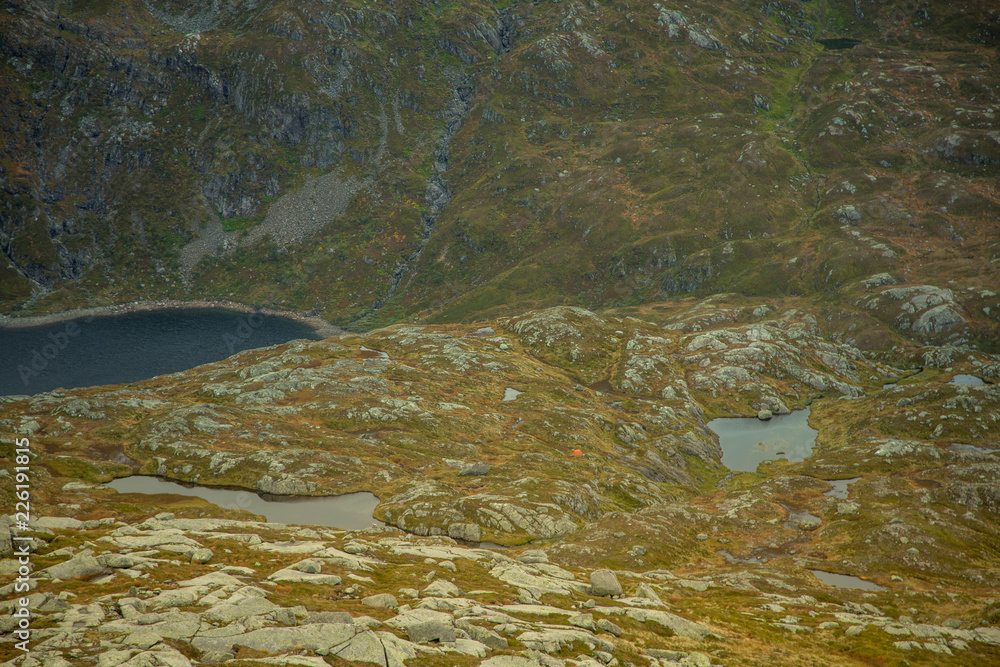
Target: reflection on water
(748,441)
(846,581)
(352,511)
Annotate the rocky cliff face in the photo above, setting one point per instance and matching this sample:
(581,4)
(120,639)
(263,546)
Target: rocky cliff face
(439,160)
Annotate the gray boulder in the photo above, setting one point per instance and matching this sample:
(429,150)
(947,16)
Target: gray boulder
(58,523)
(309,566)
(510,661)
(385,600)
(119,561)
(314,637)
(483,635)
(604,583)
(380,648)
(676,624)
(425,625)
(647,592)
(201,555)
(937,320)
(608,626)
(442,588)
(468,532)
(534,556)
(430,630)
(329,617)
(478,468)
(227,613)
(847,214)
(81,566)
(286,486)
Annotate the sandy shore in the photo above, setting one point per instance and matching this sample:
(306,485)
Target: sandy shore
(317,324)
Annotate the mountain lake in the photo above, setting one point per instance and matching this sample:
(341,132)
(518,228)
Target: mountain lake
(112,349)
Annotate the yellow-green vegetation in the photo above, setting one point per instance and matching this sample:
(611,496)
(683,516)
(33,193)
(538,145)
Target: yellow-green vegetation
(467,432)
(563,237)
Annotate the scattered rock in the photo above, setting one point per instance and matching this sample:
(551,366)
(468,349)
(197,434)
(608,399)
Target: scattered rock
(442,588)
(468,532)
(381,600)
(479,468)
(533,556)
(81,566)
(201,555)
(604,583)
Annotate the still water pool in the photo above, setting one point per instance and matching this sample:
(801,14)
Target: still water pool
(748,441)
(352,511)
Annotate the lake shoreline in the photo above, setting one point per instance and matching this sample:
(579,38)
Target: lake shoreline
(317,324)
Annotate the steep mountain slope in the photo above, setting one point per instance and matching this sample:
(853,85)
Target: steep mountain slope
(448,161)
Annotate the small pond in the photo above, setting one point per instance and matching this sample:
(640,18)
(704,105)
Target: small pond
(837,43)
(509,394)
(839,489)
(748,441)
(846,581)
(964,379)
(352,511)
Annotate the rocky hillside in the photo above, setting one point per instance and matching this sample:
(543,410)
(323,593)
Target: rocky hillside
(643,549)
(449,161)
(564,236)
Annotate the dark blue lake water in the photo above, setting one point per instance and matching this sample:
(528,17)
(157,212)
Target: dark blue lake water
(111,349)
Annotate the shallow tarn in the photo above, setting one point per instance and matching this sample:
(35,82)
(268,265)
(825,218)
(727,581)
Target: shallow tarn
(839,489)
(509,394)
(747,441)
(352,511)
